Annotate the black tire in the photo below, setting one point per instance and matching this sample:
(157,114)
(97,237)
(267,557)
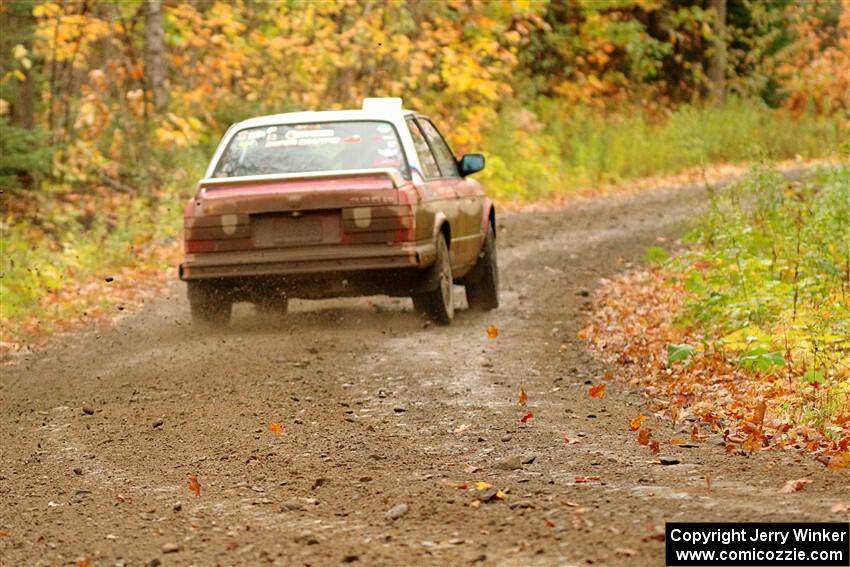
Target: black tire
(482,287)
(438,304)
(209,306)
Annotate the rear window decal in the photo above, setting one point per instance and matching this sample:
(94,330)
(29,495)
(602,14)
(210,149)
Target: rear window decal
(295,134)
(314,147)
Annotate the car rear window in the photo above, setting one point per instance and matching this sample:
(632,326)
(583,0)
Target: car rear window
(320,146)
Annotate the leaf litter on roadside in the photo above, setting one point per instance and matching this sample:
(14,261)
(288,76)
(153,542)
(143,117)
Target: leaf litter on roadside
(632,325)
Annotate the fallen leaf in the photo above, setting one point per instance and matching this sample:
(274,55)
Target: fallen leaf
(654,447)
(526,417)
(795,485)
(523,397)
(492,332)
(675,441)
(644,434)
(481,485)
(580,479)
(549,522)
(194,485)
(500,495)
(674,414)
(634,425)
(758,416)
(471,469)
(597,391)
(4,534)
(569,441)
(83,562)
(462,486)
(275,428)
(695,436)
(838,462)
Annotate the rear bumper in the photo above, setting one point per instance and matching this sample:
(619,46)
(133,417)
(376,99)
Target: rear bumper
(307,260)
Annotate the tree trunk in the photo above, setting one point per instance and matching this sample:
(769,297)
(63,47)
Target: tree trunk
(18,23)
(155,53)
(717,64)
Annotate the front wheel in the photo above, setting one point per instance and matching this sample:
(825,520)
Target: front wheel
(439,304)
(209,306)
(482,289)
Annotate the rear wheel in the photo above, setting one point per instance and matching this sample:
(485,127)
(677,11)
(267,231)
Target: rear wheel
(210,306)
(438,304)
(482,289)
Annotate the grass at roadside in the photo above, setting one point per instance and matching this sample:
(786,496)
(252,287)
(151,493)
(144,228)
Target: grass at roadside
(76,258)
(748,329)
(532,157)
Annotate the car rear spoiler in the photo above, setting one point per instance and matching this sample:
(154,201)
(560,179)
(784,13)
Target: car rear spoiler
(394,175)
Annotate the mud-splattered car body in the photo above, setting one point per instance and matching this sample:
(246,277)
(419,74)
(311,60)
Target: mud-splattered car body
(403,220)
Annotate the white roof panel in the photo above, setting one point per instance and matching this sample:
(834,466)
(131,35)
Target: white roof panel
(322,116)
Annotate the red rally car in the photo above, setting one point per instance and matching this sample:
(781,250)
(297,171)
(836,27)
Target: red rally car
(339,203)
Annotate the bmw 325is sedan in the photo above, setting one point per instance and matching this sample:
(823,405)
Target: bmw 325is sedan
(339,203)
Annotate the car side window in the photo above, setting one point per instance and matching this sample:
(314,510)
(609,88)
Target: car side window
(426,158)
(445,158)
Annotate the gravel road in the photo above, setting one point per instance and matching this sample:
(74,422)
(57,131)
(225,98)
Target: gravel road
(386,426)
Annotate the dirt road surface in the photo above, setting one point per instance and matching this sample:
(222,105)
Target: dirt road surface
(100,436)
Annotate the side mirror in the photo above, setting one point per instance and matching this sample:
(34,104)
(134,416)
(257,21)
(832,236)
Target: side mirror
(471,163)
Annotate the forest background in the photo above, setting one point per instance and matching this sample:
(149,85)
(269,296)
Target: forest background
(109,110)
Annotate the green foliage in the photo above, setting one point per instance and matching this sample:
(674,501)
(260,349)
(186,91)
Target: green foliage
(761,360)
(556,148)
(24,155)
(771,272)
(679,353)
(65,247)
(655,255)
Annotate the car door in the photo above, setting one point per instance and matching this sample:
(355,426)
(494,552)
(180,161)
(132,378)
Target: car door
(466,233)
(439,195)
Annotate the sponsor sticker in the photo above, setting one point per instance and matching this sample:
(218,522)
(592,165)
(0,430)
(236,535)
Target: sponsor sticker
(299,134)
(318,141)
(278,143)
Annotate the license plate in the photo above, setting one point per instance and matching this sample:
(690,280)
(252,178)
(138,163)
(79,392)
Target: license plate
(283,230)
